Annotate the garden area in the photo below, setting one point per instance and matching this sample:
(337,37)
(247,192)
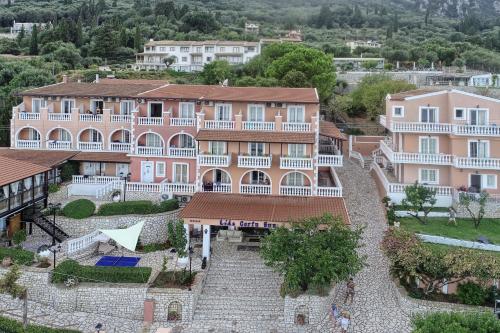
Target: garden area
(12,326)
(455,322)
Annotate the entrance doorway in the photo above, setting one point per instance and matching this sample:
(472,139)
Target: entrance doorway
(475,183)
(147,168)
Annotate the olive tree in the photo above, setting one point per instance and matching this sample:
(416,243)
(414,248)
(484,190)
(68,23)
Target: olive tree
(467,201)
(178,240)
(418,199)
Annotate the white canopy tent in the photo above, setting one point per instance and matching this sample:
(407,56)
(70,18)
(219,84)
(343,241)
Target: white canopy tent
(125,237)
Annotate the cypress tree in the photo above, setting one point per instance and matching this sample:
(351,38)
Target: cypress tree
(34,41)
(137,39)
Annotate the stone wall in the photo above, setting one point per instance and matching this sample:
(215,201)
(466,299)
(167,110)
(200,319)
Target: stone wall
(314,307)
(491,209)
(154,231)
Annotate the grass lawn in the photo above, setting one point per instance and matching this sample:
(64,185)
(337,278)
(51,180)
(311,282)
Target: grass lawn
(443,247)
(435,209)
(465,230)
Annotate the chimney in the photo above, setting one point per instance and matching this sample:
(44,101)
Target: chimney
(97,78)
(65,78)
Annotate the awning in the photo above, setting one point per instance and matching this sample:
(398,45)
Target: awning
(125,237)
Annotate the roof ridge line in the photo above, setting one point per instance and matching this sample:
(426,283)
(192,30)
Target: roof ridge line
(151,90)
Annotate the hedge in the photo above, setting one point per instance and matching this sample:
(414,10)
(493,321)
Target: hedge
(79,209)
(137,207)
(455,322)
(93,274)
(12,326)
(19,256)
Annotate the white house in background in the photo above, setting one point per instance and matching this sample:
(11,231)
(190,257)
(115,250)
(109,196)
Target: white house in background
(361,43)
(28,27)
(252,28)
(485,80)
(191,56)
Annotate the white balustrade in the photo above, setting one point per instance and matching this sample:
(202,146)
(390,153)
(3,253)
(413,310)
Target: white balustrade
(219,124)
(330,160)
(29,116)
(149,151)
(150,121)
(181,152)
(383,120)
(30,144)
(301,191)
(477,163)
(119,146)
(90,146)
(255,189)
(182,121)
(78,179)
(440,190)
(59,145)
(487,130)
(222,188)
(417,158)
(121,118)
(214,160)
(296,127)
(144,187)
(334,192)
(416,127)
(177,188)
(254,161)
(93,118)
(82,243)
(258,125)
(60,116)
(296,163)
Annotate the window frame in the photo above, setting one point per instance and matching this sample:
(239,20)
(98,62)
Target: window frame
(164,172)
(394,111)
(421,108)
(420,178)
(464,113)
(174,173)
(263,110)
(149,108)
(71,100)
(43,104)
(421,138)
(296,106)
(229,105)
(182,104)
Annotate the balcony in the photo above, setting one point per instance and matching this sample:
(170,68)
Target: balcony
(255,189)
(332,192)
(414,158)
(441,128)
(121,118)
(90,146)
(301,191)
(186,122)
(59,145)
(149,151)
(296,163)
(383,120)
(150,121)
(330,160)
(59,116)
(30,144)
(178,188)
(219,188)
(477,163)
(258,126)
(120,146)
(296,127)
(415,127)
(91,118)
(182,152)
(470,130)
(214,160)
(29,116)
(219,124)
(255,161)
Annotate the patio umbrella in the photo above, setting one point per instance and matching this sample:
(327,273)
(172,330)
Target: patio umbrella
(125,237)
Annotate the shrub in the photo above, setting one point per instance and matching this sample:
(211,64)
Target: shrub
(455,322)
(19,256)
(155,247)
(471,293)
(71,268)
(53,188)
(13,326)
(79,209)
(68,170)
(137,207)
(19,237)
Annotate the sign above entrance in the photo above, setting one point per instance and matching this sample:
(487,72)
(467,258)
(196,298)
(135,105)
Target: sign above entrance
(247,224)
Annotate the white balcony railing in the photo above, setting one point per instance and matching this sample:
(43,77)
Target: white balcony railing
(144,187)
(330,160)
(255,189)
(93,118)
(29,116)
(296,127)
(334,192)
(457,129)
(219,124)
(182,152)
(94,179)
(416,127)
(214,160)
(182,121)
(150,121)
(121,118)
(255,161)
(258,125)
(477,163)
(383,120)
(120,146)
(90,146)
(220,188)
(301,191)
(31,144)
(414,158)
(488,130)
(177,188)
(149,151)
(59,145)
(60,116)
(296,163)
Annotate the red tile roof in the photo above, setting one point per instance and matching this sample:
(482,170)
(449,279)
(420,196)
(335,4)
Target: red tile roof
(266,208)
(329,129)
(255,136)
(47,158)
(401,96)
(13,170)
(101,157)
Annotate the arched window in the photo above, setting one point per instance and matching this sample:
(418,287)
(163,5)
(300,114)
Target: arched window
(174,312)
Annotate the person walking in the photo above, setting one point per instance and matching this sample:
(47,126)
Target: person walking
(345,320)
(350,291)
(335,315)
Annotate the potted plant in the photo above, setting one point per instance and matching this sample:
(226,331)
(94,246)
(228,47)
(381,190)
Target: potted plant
(116,196)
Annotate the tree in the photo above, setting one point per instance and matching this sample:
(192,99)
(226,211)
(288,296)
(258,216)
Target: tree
(34,41)
(468,200)
(9,285)
(79,34)
(308,254)
(21,34)
(455,322)
(137,39)
(216,72)
(168,61)
(178,240)
(419,199)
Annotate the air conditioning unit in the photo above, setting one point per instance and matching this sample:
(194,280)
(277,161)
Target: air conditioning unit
(182,199)
(166,196)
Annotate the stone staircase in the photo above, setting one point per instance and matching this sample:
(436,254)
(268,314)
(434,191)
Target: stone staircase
(240,291)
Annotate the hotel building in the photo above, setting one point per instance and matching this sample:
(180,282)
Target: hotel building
(447,139)
(177,140)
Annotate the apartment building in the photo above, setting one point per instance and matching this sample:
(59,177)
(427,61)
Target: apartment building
(361,43)
(191,56)
(447,139)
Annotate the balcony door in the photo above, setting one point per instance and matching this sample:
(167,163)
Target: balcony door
(295,179)
(156,109)
(479,149)
(94,136)
(258,178)
(96,106)
(217,148)
(185,141)
(37,104)
(429,145)
(297,150)
(256,149)
(67,105)
(478,117)
(153,140)
(186,110)
(181,175)
(256,113)
(223,112)
(221,177)
(126,108)
(296,114)
(429,115)
(33,134)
